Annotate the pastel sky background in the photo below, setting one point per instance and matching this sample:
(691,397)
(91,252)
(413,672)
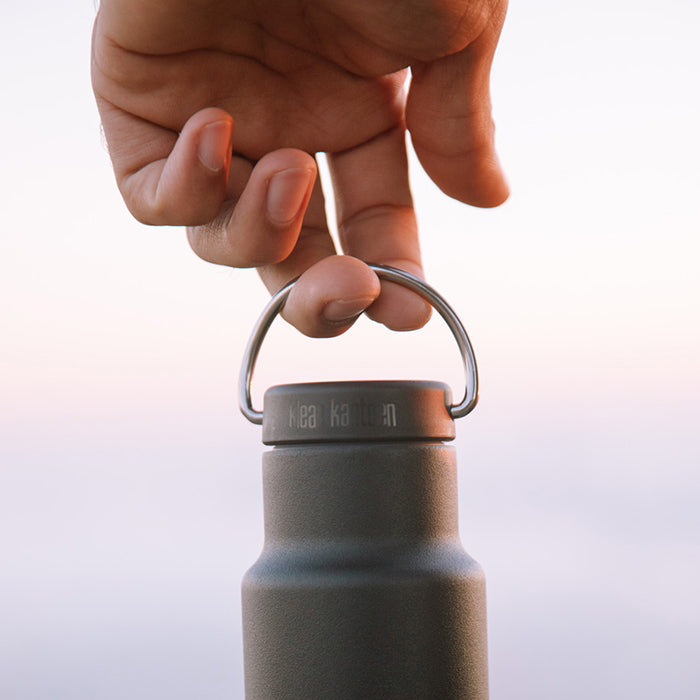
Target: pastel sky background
(130,501)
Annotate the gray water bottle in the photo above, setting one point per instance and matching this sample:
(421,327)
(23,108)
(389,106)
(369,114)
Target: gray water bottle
(363,590)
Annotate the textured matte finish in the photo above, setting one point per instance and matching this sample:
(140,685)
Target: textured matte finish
(363,590)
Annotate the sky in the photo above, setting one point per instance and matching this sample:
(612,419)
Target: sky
(130,496)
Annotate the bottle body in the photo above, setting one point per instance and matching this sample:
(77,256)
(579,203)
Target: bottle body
(363,589)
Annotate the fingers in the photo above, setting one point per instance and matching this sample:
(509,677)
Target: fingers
(330,296)
(272,215)
(332,290)
(262,215)
(448,114)
(166,178)
(377,223)
(279,224)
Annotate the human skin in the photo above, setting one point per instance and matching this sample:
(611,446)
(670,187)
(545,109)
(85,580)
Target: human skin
(172,77)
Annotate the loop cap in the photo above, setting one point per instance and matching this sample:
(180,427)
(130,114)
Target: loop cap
(390,274)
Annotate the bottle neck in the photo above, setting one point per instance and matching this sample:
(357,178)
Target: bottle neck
(361,492)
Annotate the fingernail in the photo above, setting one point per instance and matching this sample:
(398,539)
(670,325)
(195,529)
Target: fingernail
(345,310)
(286,194)
(215,145)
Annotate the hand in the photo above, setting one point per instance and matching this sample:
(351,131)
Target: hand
(299,77)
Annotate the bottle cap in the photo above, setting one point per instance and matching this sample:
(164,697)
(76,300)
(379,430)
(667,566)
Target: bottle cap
(357,411)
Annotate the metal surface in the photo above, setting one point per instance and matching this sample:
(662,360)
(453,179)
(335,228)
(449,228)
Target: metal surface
(458,410)
(363,590)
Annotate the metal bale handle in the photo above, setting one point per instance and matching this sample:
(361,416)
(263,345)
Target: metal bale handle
(390,274)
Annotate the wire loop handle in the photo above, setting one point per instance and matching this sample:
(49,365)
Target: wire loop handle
(390,274)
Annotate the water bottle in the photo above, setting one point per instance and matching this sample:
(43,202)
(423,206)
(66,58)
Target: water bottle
(363,590)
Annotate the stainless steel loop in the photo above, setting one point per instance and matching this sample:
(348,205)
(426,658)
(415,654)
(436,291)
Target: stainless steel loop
(390,274)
